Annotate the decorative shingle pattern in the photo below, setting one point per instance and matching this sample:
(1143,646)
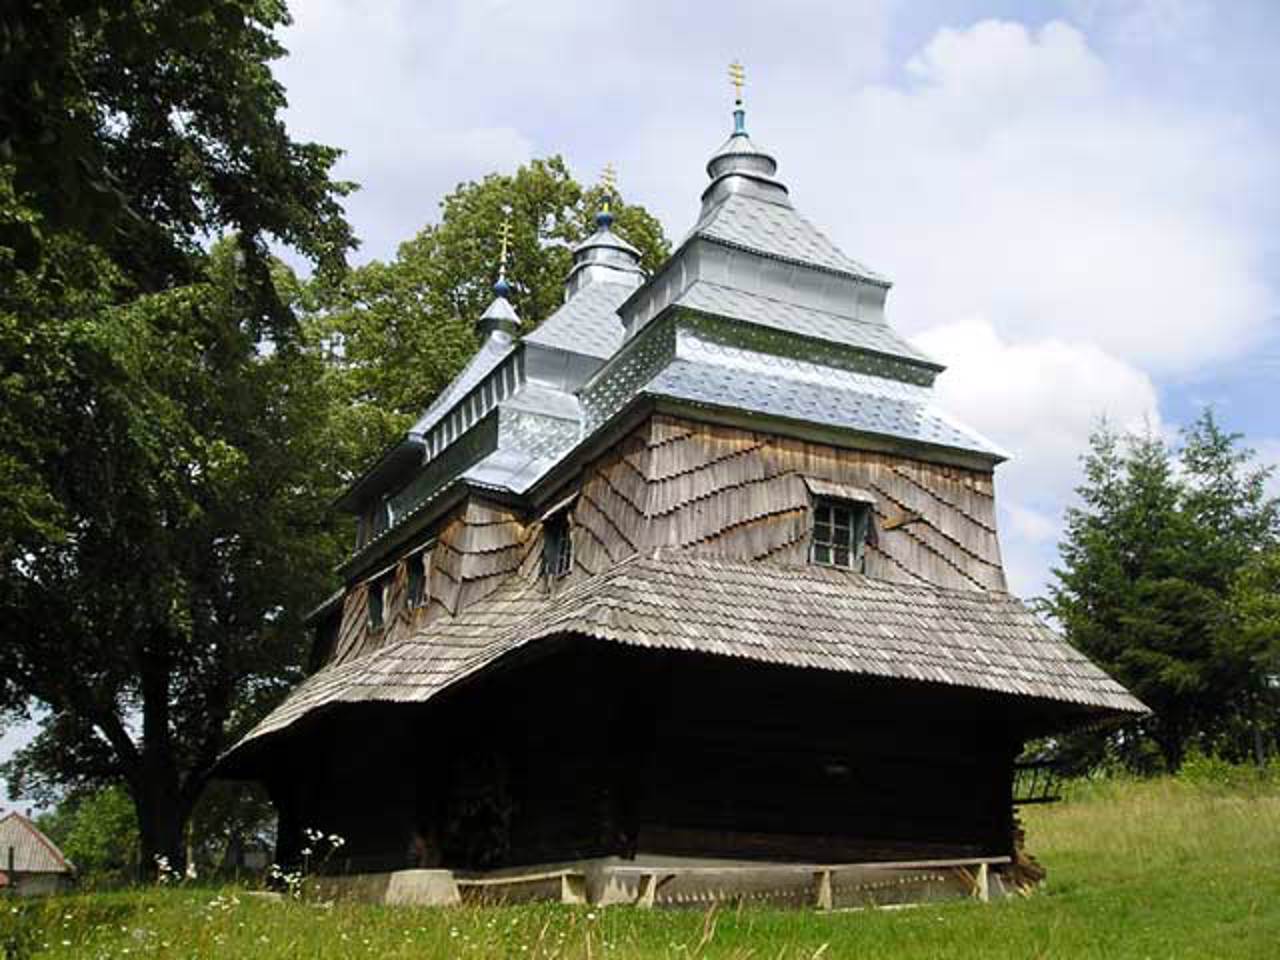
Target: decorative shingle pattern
(738,304)
(795,615)
(778,231)
(869,410)
(588,322)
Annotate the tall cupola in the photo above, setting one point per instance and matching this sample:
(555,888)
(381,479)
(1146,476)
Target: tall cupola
(604,257)
(740,166)
(500,316)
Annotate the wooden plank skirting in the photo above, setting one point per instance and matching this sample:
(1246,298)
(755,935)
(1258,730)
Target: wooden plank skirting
(803,886)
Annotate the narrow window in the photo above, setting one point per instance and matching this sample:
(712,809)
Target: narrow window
(840,530)
(419,571)
(557,546)
(377,589)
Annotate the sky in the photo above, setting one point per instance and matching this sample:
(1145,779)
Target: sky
(1077,201)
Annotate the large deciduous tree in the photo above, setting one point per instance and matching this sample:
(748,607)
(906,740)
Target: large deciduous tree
(1149,563)
(162,462)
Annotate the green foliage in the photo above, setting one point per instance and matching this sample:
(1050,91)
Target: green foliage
(164,456)
(398,332)
(198,489)
(103,835)
(146,127)
(1208,771)
(1157,868)
(1149,562)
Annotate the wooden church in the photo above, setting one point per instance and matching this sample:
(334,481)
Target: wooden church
(695,575)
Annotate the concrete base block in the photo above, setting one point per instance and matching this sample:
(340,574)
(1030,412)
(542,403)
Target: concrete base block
(419,888)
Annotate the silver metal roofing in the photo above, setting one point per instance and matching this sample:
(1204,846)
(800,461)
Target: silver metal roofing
(499,315)
(588,322)
(750,223)
(708,297)
(708,361)
(493,350)
(777,395)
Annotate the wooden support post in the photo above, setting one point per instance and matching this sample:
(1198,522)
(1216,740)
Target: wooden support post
(573,888)
(982,886)
(648,891)
(822,889)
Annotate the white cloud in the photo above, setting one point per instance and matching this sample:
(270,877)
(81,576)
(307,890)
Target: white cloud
(1040,400)
(1008,177)
(423,96)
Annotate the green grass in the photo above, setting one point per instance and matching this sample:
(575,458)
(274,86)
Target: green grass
(1157,869)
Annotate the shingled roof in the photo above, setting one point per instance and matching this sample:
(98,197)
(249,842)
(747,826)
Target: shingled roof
(802,616)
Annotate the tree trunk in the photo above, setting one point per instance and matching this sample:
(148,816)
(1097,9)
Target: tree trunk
(160,831)
(162,814)
(1172,747)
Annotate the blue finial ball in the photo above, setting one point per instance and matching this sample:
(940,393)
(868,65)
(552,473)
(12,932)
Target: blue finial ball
(604,219)
(502,288)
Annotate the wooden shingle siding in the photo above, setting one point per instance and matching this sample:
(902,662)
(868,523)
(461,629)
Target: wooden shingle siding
(355,614)
(725,491)
(479,545)
(711,490)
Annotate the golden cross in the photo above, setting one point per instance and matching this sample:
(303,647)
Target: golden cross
(737,76)
(609,180)
(504,234)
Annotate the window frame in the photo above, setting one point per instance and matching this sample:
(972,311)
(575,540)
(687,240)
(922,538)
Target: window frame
(561,565)
(379,586)
(857,533)
(419,561)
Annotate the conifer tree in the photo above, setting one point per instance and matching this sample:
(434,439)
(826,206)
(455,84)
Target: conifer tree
(1148,561)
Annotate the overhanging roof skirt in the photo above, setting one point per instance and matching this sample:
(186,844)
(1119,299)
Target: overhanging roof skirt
(802,616)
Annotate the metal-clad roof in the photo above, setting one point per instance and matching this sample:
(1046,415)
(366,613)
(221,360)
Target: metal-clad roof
(587,323)
(796,615)
(715,298)
(496,348)
(33,852)
(775,230)
(867,410)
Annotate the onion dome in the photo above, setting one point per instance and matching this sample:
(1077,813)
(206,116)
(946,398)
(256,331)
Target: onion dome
(604,257)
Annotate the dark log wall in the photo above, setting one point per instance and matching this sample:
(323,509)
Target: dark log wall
(593,750)
(772,763)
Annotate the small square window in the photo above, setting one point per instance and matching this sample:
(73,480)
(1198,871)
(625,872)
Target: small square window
(840,530)
(557,546)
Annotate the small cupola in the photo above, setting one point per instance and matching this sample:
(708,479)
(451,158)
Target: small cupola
(740,166)
(500,316)
(604,257)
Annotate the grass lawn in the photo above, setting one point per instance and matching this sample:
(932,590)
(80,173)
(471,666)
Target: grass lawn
(1158,869)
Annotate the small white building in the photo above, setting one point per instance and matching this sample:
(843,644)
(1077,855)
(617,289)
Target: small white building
(30,863)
